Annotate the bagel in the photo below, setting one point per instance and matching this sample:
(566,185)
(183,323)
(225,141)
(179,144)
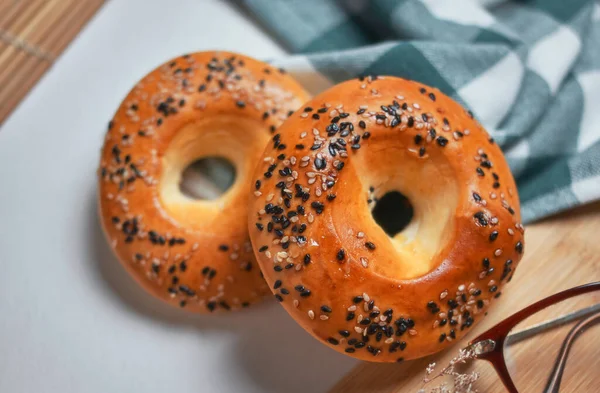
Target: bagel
(191,253)
(333,268)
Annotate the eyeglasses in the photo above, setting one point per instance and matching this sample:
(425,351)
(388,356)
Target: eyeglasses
(552,346)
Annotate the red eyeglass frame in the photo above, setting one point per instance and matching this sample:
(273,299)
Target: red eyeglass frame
(498,334)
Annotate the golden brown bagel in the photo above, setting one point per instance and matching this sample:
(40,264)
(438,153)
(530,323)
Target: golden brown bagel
(333,267)
(192,253)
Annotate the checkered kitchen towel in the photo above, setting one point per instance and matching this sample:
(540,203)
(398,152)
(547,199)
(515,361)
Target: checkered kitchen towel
(528,69)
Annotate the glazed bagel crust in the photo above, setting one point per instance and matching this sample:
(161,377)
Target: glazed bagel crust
(191,253)
(332,267)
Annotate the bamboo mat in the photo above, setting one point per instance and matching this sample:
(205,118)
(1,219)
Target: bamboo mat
(33,33)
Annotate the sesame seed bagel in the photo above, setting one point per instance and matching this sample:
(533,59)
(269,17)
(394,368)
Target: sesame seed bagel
(334,269)
(191,253)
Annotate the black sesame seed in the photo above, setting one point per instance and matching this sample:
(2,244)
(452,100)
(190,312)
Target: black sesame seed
(519,247)
(481,218)
(486,263)
(341,254)
(326,309)
(493,236)
(370,245)
(277,284)
(320,163)
(305,293)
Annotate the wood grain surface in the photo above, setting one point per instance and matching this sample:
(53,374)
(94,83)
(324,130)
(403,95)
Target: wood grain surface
(33,33)
(560,252)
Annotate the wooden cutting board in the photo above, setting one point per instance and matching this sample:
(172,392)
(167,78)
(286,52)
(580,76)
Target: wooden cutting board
(33,33)
(560,252)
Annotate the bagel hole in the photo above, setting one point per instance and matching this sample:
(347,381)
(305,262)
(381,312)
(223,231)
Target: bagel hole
(393,212)
(207,178)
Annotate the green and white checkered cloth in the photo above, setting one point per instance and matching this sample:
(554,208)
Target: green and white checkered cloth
(528,69)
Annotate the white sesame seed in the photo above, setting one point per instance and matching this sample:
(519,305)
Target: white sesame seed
(443,295)
(257,193)
(412,332)
(498,252)
(461,287)
(389,340)
(296,303)
(360,235)
(366,297)
(358,329)
(364,262)
(324,317)
(311,314)
(352,307)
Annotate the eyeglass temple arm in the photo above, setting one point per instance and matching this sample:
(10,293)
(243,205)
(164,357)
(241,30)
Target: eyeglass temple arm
(486,346)
(553,384)
(550,324)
